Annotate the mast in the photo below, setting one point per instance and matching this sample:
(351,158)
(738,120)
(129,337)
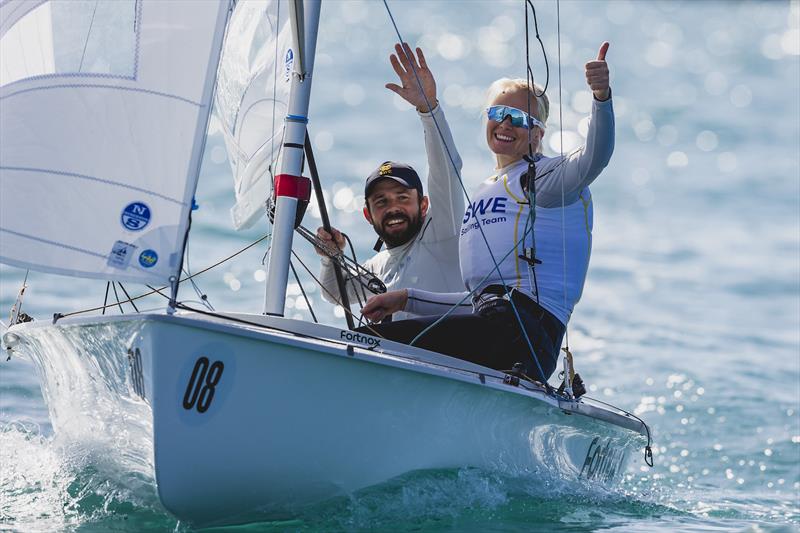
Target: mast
(290,186)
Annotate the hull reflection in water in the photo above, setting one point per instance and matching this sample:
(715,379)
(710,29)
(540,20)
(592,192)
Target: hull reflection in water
(252,417)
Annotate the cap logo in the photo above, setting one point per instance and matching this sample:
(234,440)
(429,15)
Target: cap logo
(386,168)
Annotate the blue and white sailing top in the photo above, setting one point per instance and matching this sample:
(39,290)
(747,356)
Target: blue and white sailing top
(562,227)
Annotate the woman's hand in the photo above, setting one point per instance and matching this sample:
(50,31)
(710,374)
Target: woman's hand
(597,74)
(380,306)
(402,64)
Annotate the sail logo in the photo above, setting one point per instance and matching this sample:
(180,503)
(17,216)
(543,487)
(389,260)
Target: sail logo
(148,258)
(135,216)
(288,64)
(120,255)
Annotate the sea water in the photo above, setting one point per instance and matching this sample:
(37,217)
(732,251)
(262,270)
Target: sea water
(691,313)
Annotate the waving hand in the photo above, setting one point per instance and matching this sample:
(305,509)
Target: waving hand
(409,90)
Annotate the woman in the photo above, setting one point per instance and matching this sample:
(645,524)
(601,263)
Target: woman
(536,260)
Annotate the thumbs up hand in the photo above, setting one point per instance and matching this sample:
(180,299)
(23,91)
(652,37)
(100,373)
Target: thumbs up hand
(597,74)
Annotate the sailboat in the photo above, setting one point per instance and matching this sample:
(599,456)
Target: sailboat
(247,416)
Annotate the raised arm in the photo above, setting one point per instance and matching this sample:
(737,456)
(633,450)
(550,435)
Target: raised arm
(580,168)
(444,162)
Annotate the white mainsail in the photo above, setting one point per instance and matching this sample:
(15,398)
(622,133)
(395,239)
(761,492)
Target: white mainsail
(102,132)
(252,100)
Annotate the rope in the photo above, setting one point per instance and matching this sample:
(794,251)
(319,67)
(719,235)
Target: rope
(466,194)
(154,290)
(335,299)
(541,44)
(355,271)
(355,260)
(464,299)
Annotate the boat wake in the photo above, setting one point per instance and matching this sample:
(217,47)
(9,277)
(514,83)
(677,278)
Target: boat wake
(51,485)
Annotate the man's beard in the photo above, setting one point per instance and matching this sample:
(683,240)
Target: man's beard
(413,225)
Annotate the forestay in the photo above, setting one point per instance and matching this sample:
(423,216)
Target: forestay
(252,100)
(103,111)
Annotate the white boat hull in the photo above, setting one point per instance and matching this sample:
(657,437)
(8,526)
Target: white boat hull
(251,423)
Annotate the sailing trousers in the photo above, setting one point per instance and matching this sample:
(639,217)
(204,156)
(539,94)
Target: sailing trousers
(491,338)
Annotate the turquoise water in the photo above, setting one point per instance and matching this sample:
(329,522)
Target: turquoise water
(691,313)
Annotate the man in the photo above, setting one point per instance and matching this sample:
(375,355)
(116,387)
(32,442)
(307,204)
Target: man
(420,232)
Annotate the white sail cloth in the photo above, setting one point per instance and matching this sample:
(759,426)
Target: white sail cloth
(252,100)
(103,112)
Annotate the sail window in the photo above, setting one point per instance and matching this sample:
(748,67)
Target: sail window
(70,38)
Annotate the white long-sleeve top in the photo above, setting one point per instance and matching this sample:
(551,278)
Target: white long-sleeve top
(562,228)
(429,261)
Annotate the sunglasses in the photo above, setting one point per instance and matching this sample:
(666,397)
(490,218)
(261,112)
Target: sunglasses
(519,118)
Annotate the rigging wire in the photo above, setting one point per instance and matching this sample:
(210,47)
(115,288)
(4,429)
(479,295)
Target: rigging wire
(530,191)
(468,295)
(355,260)
(105,299)
(338,302)
(561,151)
(466,194)
(58,316)
(128,296)
(88,33)
(303,292)
(116,297)
(188,271)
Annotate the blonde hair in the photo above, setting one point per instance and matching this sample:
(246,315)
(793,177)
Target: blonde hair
(536,92)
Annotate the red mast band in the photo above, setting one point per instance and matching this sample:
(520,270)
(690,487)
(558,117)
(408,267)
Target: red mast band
(293,186)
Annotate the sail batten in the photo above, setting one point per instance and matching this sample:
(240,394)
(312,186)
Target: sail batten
(35,171)
(100,147)
(86,86)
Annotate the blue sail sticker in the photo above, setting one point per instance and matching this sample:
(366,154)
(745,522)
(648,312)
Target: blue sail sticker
(135,216)
(148,258)
(288,64)
(121,253)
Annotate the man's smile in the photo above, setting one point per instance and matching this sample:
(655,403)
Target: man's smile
(394,222)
